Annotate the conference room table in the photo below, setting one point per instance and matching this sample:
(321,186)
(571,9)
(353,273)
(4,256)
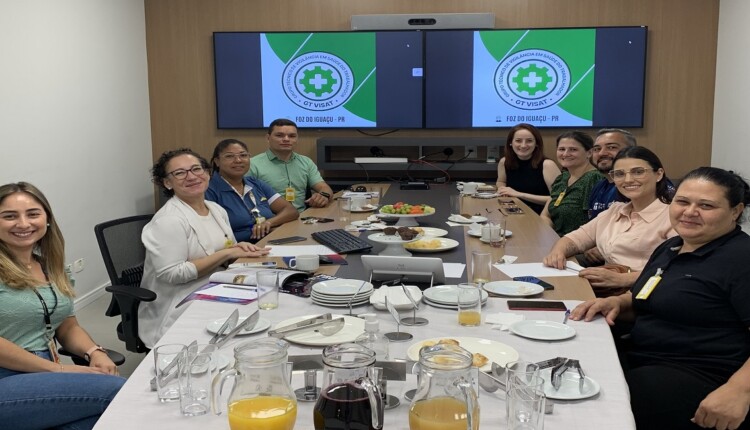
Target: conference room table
(136,407)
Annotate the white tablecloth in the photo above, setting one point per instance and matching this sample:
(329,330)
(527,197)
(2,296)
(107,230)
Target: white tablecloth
(136,407)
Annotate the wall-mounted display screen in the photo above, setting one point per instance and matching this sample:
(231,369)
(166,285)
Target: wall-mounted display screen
(576,77)
(567,77)
(320,80)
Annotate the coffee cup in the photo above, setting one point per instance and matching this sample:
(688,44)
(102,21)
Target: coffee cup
(307,263)
(358,203)
(471,187)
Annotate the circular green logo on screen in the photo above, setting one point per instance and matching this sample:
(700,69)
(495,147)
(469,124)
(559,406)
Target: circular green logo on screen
(532,79)
(318,81)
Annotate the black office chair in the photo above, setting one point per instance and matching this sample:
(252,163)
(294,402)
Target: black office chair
(123,253)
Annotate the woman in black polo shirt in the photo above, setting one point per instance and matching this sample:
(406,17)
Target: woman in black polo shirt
(690,360)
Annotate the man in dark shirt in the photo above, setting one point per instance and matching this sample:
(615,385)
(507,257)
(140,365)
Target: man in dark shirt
(609,141)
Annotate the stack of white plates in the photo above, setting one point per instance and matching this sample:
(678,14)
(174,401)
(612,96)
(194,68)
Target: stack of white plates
(445,296)
(337,293)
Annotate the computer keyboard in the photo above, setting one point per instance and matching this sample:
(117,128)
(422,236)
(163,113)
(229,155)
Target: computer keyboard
(341,241)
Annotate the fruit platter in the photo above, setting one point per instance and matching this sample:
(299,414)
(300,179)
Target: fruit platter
(406,213)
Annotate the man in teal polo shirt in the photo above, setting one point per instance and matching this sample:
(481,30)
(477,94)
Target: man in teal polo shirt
(289,173)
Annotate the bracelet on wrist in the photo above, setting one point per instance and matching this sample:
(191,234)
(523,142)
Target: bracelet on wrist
(93,349)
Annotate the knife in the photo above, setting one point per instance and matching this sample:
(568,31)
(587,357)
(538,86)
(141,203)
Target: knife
(323,326)
(299,324)
(229,324)
(167,372)
(249,323)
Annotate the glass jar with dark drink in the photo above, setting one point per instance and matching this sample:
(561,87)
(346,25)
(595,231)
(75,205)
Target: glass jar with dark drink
(350,399)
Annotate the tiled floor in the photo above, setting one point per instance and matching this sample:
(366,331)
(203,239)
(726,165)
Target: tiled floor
(103,330)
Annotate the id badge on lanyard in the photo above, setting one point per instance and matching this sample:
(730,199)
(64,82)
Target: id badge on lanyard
(559,199)
(650,285)
(289,194)
(49,333)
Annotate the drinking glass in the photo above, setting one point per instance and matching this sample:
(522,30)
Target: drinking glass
(167,386)
(376,194)
(480,267)
(197,368)
(469,304)
(344,208)
(497,234)
(268,289)
(525,404)
(455,204)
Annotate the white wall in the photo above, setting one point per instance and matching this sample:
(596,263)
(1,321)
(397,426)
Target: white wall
(731,140)
(74,115)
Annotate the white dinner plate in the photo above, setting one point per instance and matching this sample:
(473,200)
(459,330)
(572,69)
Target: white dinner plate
(497,352)
(339,299)
(446,294)
(341,287)
(513,288)
(434,232)
(570,388)
(357,302)
(365,208)
(370,225)
(443,305)
(462,220)
(478,233)
(391,238)
(353,327)
(485,195)
(542,330)
(445,244)
(262,325)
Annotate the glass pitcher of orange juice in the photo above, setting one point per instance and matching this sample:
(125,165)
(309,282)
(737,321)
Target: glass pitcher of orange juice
(445,398)
(261,397)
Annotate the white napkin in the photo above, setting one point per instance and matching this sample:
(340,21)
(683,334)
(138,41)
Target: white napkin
(461,218)
(505,259)
(503,320)
(454,224)
(396,297)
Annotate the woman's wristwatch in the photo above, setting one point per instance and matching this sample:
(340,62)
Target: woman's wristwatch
(87,354)
(325,194)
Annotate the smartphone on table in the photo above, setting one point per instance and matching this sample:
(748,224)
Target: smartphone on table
(536,305)
(283,240)
(266,264)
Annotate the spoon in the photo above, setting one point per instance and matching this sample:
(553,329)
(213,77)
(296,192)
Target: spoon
(332,327)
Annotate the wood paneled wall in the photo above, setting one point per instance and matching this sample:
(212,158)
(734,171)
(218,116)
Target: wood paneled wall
(679,83)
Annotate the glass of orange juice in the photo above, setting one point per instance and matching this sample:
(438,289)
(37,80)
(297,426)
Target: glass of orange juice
(469,304)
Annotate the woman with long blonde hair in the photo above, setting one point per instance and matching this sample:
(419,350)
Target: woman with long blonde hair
(36,312)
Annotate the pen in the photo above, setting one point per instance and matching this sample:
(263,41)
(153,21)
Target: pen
(240,287)
(567,314)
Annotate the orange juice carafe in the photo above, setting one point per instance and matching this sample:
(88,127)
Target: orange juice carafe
(261,398)
(445,398)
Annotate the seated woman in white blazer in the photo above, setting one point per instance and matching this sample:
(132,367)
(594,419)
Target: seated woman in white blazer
(187,240)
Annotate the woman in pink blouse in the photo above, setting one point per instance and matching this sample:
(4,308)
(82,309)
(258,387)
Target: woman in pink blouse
(626,233)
